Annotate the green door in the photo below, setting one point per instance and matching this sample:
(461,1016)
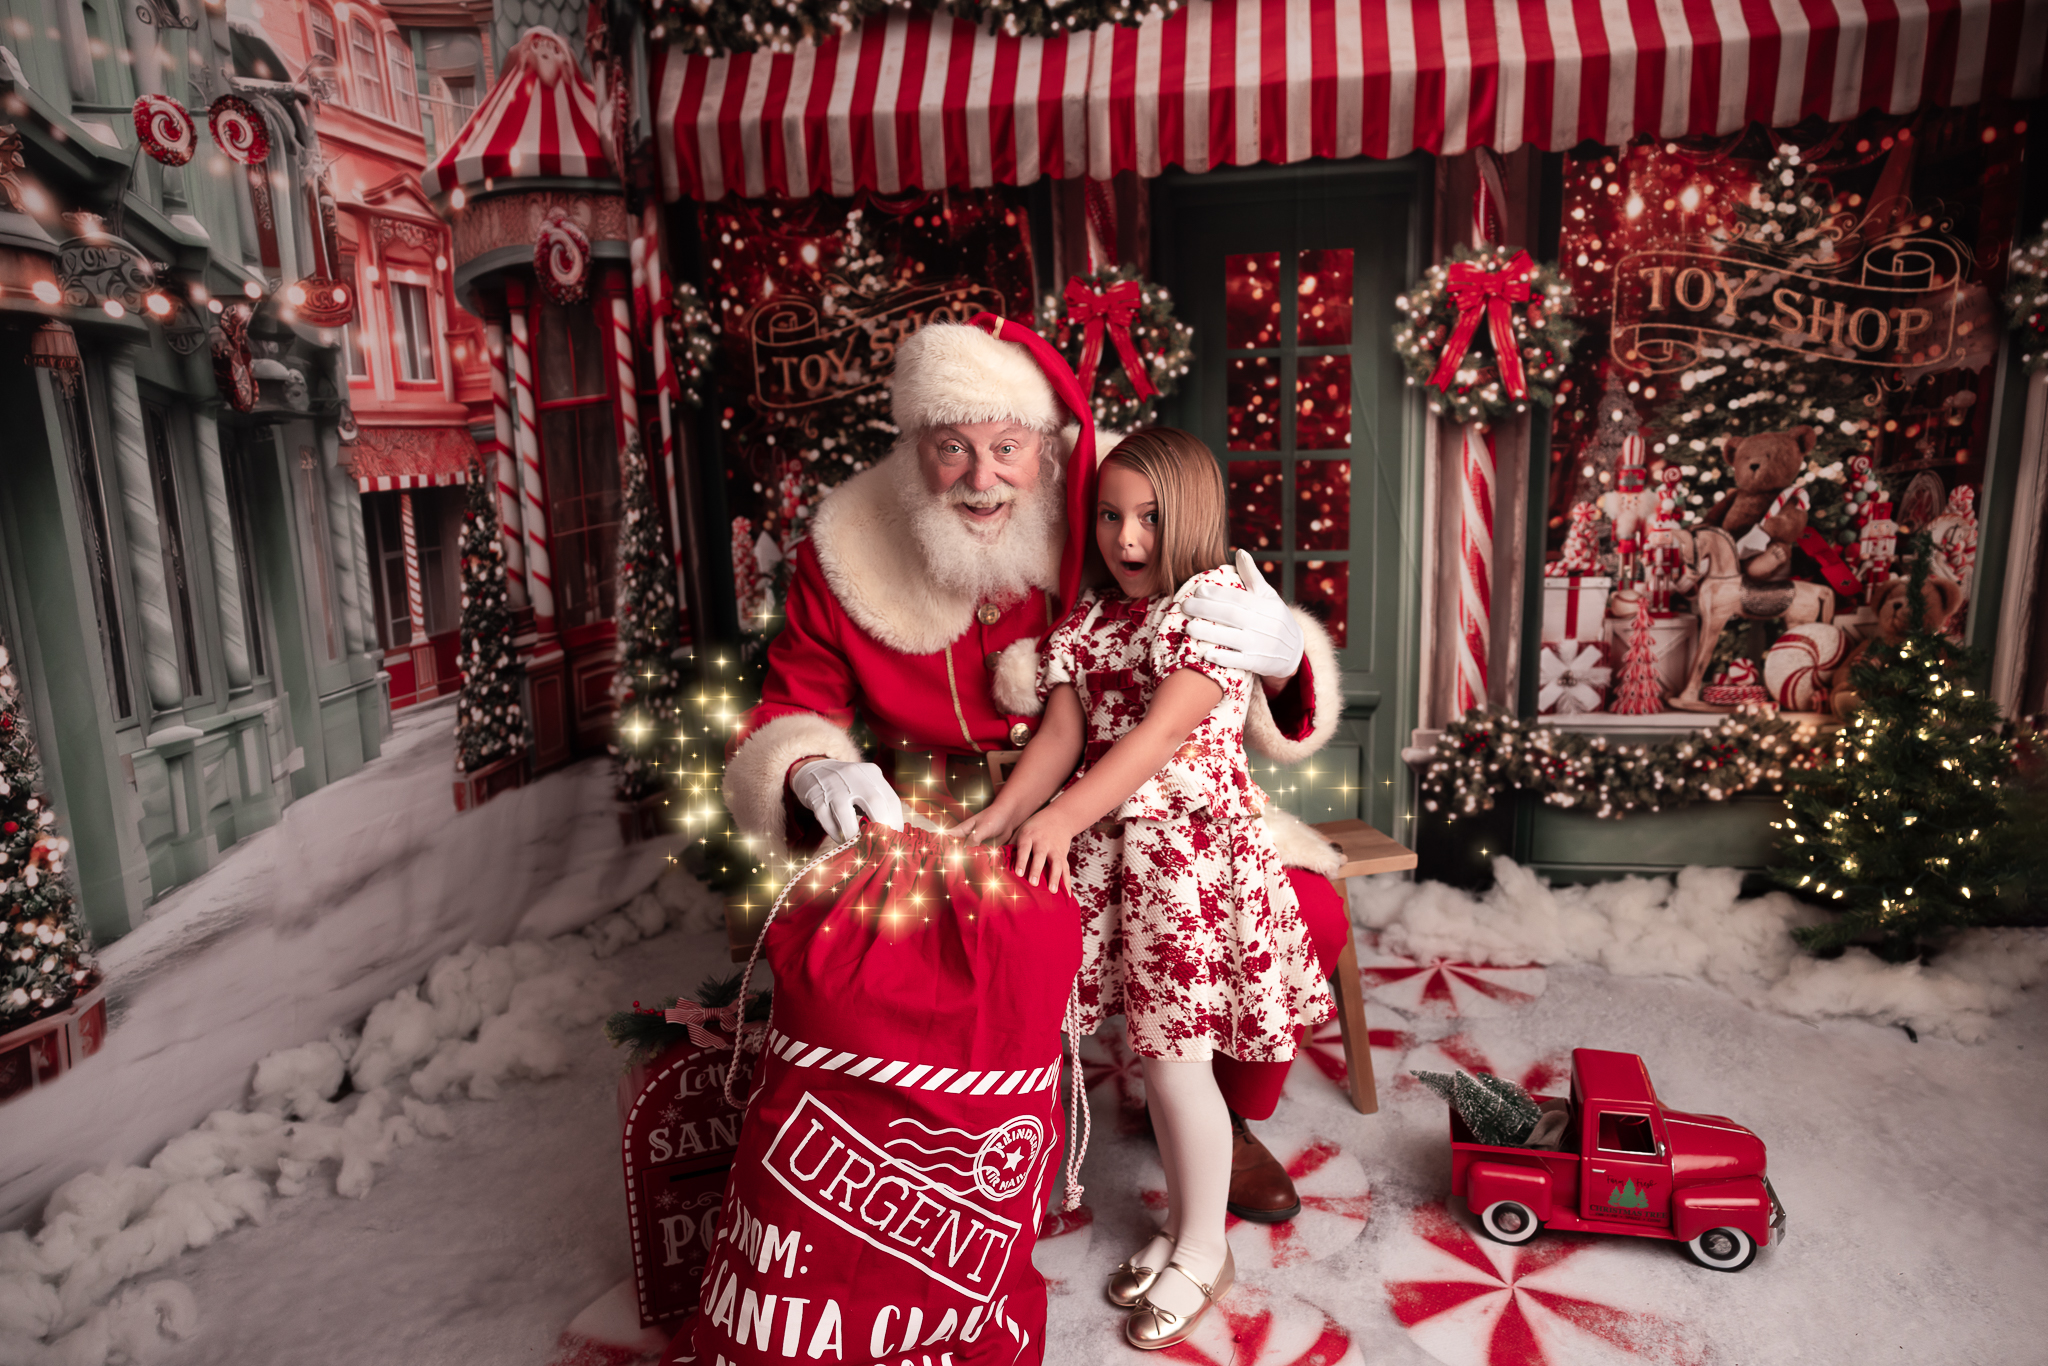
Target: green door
(1289,276)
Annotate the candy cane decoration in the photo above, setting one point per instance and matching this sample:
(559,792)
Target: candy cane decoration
(415,596)
(626,402)
(502,465)
(533,517)
(665,390)
(1475,568)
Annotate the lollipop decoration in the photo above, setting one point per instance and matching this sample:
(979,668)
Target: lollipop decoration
(238,130)
(165,129)
(561,258)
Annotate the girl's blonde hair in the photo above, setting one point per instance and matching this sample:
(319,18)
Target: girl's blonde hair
(1187,484)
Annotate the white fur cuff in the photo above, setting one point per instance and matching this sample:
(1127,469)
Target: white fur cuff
(758,769)
(1299,846)
(1263,735)
(1015,688)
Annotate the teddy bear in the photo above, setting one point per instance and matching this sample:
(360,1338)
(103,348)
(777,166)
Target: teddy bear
(1894,616)
(1764,466)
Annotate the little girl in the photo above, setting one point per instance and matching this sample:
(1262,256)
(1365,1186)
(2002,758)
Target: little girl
(1190,929)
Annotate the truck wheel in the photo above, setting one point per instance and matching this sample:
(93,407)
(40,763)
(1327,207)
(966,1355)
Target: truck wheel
(1723,1249)
(1507,1221)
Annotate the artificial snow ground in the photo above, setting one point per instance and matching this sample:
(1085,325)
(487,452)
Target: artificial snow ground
(1914,1173)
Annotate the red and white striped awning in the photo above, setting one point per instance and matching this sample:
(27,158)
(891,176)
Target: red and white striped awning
(923,101)
(386,458)
(540,119)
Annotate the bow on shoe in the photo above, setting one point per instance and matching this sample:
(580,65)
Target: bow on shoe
(1115,309)
(1478,289)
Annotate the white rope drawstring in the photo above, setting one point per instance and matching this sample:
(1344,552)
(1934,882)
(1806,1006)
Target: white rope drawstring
(747,977)
(1077,1104)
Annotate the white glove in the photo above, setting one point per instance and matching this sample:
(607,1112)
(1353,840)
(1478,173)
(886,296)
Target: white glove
(837,792)
(1253,631)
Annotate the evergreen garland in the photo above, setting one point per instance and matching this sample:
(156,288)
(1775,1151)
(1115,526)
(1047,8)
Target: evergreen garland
(1543,328)
(1495,1109)
(715,28)
(1915,825)
(692,344)
(647,1032)
(1488,752)
(1163,342)
(646,690)
(489,724)
(2026,301)
(46,955)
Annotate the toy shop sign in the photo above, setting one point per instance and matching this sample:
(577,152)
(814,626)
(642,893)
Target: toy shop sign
(1894,306)
(805,355)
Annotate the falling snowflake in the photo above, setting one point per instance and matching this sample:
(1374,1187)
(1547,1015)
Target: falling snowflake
(1441,986)
(1336,1200)
(1469,1302)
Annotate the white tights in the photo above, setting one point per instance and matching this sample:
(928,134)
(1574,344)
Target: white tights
(1193,1127)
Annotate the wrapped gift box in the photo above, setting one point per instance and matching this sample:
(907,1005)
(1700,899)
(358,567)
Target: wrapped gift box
(1671,636)
(1574,606)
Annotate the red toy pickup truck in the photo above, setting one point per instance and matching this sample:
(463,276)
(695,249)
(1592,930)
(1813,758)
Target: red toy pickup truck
(1624,1163)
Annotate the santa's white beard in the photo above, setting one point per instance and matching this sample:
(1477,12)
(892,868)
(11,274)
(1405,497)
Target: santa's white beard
(998,562)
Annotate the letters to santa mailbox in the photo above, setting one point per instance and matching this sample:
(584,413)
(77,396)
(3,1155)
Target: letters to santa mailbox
(678,1145)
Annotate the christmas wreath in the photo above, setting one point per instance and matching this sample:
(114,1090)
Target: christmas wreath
(1488,333)
(2026,301)
(1488,752)
(1119,311)
(730,26)
(691,329)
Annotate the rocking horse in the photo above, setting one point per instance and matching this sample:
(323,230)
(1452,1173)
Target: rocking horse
(1721,594)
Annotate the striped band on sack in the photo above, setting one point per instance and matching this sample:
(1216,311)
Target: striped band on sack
(913,1076)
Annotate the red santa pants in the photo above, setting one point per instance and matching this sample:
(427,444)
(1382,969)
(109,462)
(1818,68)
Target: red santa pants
(1252,1089)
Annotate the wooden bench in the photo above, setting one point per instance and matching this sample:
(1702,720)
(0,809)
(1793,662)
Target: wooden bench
(1365,849)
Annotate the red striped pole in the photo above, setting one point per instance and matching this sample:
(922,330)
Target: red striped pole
(540,583)
(1475,567)
(415,597)
(501,465)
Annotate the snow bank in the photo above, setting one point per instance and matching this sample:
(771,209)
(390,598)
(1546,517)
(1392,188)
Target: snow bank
(1699,927)
(483,1016)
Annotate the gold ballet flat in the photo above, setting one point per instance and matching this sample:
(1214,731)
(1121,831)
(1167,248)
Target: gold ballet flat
(1128,1284)
(1150,1328)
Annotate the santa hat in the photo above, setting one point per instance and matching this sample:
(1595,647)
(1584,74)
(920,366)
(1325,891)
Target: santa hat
(989,369)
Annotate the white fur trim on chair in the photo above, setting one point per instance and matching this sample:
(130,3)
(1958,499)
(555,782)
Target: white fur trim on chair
(1299,846)
(758,769)
(1016,682)
(1263,735)
(950,372)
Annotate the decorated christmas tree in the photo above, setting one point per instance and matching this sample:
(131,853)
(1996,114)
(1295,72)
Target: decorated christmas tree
(1913,829)
(1639,692)
(1581,552)
(45,947)
(489,724)
(648,687)
(1495,1109)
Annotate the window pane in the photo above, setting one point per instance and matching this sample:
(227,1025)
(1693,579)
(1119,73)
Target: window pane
(402,103)
(369,82)
(1322,398)
(1323,589)
(1322,507)
(177,567)
(1324,308)
(1251,300)
(1255,504)
(245,560)
(323,34)
(1251,395)
(415,321)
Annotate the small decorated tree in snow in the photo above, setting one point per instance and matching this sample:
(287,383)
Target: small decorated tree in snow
(489,724)
(45,948)
(1914,828)
(1639,692)
(648,686)
(1495,1109)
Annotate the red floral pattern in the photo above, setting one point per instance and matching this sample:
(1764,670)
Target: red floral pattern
(1474,1303)
(1191,929)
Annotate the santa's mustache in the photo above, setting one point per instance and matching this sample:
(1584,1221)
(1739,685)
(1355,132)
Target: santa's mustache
(982,498)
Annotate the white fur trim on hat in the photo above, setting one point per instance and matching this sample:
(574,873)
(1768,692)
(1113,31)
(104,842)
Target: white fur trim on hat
(1299,846)
(1262,733)
(757,770)
(950,372)
(1015,686)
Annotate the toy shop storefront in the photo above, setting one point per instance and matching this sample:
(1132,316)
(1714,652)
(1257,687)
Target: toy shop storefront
(1591,381)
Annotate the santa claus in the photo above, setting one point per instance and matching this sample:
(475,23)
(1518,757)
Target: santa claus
(918,606)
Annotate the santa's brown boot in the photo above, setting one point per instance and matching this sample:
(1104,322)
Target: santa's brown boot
(1260,1188)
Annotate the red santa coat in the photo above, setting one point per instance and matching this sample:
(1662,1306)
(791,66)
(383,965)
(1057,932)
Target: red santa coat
(869,634)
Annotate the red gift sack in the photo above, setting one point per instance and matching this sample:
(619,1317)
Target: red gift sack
(904,1116)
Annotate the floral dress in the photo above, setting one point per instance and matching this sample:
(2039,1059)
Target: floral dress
(1190,928)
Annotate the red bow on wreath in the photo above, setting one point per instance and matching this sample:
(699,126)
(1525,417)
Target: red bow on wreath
(1476,288)
(696,1017)
(1115,307)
